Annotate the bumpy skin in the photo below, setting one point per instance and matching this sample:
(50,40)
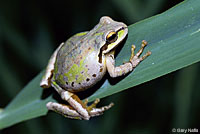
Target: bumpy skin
(78,66)
(81,67)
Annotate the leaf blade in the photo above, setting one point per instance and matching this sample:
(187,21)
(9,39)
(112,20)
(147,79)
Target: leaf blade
(173,38)
(26,105)
(168,43)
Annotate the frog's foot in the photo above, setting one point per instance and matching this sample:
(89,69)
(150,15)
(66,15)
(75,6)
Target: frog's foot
(93,111)
(87,111)
(99,111)
(135,59)
(76,108)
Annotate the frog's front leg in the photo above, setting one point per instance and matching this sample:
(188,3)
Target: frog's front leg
(135,59)
(46,79)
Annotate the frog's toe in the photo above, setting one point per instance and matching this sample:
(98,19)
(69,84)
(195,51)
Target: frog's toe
(136,59)
(99,111)
(93,105)
(93,111)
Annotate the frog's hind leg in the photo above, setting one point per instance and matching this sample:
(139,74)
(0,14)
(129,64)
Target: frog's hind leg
(78,109)
(87,111)
(65,110)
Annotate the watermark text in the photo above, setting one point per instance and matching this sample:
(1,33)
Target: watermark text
(185,130)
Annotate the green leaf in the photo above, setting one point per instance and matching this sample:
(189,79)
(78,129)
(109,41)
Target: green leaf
(27,104)
(173,39)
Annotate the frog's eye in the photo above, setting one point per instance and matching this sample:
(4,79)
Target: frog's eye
(111,37)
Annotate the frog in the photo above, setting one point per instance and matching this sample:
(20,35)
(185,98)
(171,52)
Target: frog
(82,61)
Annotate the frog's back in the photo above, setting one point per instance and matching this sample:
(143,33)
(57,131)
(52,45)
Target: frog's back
(71,50)
(77,64)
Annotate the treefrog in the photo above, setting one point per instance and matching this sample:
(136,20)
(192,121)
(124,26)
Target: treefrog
(82,61)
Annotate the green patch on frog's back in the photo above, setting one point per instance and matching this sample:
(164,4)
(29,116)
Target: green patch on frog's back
(61,80)
(81,34)
(98,34)
(77,73)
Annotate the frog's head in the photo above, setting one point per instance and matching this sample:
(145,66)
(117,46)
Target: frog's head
(113,33)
